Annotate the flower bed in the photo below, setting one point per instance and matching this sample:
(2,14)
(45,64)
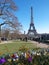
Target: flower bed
(29,57)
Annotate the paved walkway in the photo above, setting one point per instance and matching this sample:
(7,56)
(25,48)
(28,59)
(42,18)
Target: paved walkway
(41,45)
(4,42)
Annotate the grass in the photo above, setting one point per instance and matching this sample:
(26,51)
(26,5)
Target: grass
(14,46)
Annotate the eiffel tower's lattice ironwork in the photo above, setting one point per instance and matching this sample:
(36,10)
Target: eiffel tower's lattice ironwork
(32,29)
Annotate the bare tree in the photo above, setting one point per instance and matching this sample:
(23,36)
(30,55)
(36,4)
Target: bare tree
(6,13)
(5,33)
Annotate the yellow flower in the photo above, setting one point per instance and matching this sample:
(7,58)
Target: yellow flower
(1,53)
(27,55)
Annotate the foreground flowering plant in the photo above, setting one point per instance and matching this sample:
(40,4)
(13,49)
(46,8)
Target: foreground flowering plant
(26,58)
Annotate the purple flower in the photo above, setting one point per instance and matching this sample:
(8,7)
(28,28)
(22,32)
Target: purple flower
(30,59)
(2,61)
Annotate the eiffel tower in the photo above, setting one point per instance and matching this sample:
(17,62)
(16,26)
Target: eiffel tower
(32,30)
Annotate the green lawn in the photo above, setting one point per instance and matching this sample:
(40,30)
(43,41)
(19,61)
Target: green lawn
(14,46)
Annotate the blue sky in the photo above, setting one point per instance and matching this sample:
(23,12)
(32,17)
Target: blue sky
(40,14)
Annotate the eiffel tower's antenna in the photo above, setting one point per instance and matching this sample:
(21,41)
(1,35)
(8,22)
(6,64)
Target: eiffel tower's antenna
(31,14)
